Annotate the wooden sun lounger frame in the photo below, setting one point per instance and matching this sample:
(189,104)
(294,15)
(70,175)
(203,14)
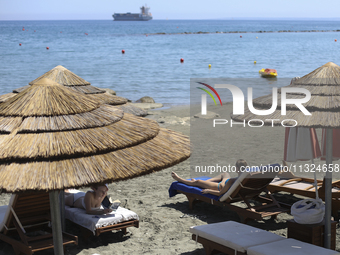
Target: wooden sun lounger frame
(211,247)
(309,193)
(250,190)
(32,211)
(86,233)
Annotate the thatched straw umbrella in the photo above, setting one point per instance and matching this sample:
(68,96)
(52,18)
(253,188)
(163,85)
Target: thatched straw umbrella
(69,79)
(53,138)
(324,105)
(7,96)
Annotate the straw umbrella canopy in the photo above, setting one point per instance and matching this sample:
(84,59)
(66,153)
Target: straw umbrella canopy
(324,105)
(53,138)
(69,79)
(7,96)
(68,140)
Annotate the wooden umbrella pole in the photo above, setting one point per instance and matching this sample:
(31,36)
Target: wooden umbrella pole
(56,224)
(62,208)
(328,187)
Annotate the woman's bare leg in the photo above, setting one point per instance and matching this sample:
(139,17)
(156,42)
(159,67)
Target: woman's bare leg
(219,178)
(196,183)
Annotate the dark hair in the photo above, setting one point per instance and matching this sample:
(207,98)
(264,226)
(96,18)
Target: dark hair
(96,186)
(241,162)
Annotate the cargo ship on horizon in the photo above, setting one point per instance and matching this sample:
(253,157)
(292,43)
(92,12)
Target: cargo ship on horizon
(144,15)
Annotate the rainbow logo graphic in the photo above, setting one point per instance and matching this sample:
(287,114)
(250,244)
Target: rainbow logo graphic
(209,93)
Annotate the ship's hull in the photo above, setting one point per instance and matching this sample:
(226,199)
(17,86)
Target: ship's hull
(130,17)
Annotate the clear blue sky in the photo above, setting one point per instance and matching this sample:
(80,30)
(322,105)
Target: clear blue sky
(168,9)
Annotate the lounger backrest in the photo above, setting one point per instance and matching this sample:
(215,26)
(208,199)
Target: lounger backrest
(248,183)
(30,208)
(5,211)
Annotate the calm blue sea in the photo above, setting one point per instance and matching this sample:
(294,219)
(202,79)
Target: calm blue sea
(151,63)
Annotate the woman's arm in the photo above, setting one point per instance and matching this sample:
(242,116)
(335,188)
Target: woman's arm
(98,212)
(211,191)
(215,179)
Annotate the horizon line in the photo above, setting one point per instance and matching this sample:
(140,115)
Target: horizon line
(167,19)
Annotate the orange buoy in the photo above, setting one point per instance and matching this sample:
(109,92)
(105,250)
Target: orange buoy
(47,48)
(335,40)
(19,44)
(240,36)
(123,51)
(23,29)
(182,60)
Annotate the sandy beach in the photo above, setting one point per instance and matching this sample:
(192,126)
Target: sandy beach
(165,222)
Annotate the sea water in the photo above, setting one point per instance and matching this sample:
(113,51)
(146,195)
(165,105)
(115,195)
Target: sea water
(151,64)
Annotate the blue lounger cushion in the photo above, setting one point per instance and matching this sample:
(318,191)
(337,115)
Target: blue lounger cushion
(190,189)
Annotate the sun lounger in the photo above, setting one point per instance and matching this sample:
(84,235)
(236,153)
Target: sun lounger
(304,187)
(235,238)
(231,236)
(24,223)
(248,186)
(289,246)
(97,224)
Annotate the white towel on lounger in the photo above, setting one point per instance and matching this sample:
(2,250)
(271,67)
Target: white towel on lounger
(92,222)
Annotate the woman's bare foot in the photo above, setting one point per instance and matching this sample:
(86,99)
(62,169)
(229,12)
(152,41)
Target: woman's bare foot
(175,176)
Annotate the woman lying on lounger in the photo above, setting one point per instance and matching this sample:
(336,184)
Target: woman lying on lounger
(217,185)
(91,202)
